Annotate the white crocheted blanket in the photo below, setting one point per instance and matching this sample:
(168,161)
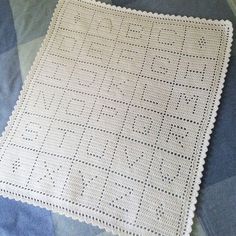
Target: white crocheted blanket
(113,123)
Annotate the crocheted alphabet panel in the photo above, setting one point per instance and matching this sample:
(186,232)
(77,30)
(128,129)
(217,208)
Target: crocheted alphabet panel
(113,122)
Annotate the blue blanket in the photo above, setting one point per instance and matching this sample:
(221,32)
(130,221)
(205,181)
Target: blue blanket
(23,25)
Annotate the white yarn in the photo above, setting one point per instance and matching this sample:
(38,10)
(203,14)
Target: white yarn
(113,123)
